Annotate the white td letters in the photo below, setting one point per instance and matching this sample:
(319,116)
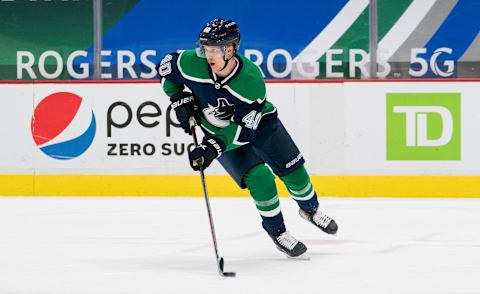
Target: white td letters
(416,125)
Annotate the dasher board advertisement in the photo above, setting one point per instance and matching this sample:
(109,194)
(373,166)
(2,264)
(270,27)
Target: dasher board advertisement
(412,128)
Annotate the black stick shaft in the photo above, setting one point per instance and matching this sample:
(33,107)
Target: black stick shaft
(207,200)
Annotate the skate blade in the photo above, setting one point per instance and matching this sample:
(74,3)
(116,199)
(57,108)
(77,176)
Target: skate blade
(304,256)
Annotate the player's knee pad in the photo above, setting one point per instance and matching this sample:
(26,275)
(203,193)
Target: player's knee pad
(260,182)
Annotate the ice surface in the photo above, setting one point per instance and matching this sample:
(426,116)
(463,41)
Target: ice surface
(163,245)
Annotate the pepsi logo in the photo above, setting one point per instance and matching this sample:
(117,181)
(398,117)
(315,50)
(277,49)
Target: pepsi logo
(63,126)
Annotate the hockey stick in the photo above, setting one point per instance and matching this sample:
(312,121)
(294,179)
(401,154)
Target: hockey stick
(220,261)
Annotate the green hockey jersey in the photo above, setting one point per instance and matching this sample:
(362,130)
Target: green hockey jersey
(233,107)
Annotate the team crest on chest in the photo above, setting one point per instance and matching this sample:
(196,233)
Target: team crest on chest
(220,114)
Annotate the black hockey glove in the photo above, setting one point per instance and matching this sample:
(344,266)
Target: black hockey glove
(206,152)
(184,105)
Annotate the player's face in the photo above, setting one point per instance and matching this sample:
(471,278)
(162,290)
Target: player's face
(213,51)
(215,56)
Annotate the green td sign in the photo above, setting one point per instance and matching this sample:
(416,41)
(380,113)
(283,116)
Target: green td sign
(423,126)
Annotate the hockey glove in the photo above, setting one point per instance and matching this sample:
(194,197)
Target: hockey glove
(206,152)
(184,105)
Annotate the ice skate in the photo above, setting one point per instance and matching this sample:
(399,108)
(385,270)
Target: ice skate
(320,220)
(287,244)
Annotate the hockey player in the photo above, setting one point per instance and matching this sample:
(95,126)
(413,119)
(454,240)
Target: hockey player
(243,132)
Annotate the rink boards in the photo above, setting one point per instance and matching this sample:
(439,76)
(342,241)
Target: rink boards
(359,138)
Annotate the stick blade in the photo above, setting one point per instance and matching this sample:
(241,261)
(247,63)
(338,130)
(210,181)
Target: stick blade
(221,263)
(229,274)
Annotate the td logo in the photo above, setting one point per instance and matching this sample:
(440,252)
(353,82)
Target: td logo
(423,126)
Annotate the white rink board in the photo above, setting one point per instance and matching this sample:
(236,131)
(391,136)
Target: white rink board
(23,153)
(365,129)
(339,127)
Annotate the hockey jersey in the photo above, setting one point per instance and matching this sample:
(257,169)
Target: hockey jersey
(232,108)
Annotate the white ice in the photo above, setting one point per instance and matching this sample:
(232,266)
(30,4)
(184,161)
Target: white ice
(163,245)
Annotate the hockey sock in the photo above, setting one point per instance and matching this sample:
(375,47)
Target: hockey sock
(274,225)
(261,183)
(301,190)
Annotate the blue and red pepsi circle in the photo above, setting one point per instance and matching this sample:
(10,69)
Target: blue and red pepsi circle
(62,126)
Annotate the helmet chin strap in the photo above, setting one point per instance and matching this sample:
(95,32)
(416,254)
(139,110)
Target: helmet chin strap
(226,62)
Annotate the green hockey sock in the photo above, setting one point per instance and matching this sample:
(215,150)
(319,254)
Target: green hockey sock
(261,183)
(300,189)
